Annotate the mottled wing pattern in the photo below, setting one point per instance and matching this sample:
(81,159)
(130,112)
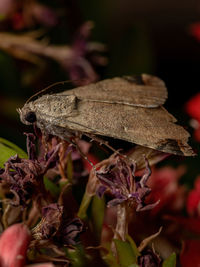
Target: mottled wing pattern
(141,91)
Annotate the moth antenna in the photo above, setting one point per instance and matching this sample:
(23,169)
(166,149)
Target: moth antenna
(50,87)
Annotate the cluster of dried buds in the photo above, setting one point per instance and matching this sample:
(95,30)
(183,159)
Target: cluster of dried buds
(52,226)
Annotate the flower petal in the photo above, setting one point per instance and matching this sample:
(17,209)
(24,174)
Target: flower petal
(14,242)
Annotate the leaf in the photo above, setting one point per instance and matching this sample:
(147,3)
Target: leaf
(170,261)
(76,256)
(82,213)
(110,260)
(9,149)
(148,239)
(133,245)
(51,187)
(98,208)
(126,255)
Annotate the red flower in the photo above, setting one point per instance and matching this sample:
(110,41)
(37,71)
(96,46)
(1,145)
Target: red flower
(195,30)
(193,200)
(193,109)
(92,159)
(165,187)
(190,255)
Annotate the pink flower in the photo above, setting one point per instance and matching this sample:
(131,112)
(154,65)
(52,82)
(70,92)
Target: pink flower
(14,242)
(44,15)
(6,7)
(24,14)
(193,200)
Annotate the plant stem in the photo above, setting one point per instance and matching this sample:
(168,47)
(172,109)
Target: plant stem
(121,229)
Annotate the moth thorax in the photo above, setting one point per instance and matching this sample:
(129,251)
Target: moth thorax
(56,105)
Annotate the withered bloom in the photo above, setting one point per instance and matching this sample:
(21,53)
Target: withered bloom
(149,258)
(56,228)
(84,56)
(118,178)
(24,177)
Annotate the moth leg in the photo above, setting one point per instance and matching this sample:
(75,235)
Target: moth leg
(74,142)
(105,143)
(44,141)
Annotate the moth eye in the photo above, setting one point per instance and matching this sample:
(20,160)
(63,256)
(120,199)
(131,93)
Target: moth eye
(30,117)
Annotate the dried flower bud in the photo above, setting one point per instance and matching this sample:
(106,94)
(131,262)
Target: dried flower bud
(119,179)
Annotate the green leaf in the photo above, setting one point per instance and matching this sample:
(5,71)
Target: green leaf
(51,187)
(77,256)
(125,253)
(9,149)
(170,261)
(82,213)
(2,17)
(110,260)
(133,245)
(98,208)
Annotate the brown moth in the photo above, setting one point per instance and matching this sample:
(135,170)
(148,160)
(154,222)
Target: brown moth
(126,108)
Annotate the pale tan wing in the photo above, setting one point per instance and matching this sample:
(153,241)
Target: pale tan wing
(153,156)
(154,128)
(141,91)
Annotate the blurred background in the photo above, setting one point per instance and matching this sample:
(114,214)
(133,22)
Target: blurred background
(96,40)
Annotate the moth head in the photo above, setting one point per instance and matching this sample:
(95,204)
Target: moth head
(27,115)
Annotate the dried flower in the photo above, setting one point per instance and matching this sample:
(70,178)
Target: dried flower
(118,178)
(43,14)
(25,14)
(80,68)
(149,258)
(56,228)
(75,59)
(24,177)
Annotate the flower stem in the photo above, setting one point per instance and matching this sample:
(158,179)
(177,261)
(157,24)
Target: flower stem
(121,229)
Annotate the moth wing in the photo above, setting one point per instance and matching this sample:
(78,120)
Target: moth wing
(153,156)
(141,91)
(153,127)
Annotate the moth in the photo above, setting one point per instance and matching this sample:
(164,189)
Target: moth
(127,108)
